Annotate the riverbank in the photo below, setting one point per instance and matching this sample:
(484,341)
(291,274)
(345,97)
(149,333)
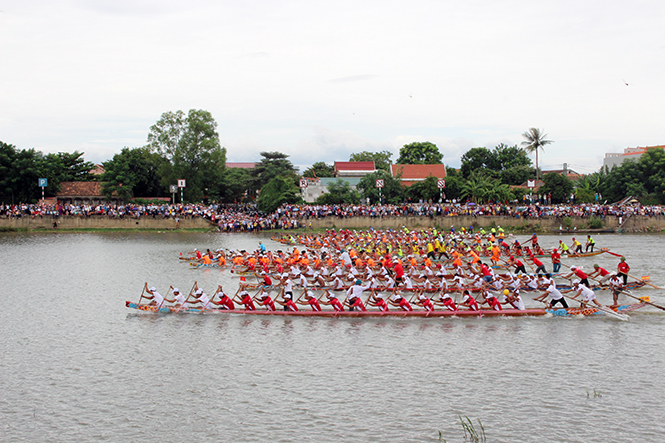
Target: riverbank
(654,224)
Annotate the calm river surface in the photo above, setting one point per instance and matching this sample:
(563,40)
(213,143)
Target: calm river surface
(77,366)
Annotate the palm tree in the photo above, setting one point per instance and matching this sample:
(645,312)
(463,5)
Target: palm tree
(535,140)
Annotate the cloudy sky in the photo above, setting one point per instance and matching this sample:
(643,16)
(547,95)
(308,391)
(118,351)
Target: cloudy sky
(319,80)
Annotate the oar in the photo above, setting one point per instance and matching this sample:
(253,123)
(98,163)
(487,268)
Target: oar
(188,295)
(643,301)
(644,281)
(142,292)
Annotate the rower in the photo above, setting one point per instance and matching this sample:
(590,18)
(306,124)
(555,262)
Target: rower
(590,243)
(264,299)
(332,301)
(425,302)
(225,301)
(492,301)
(376,299)
(469,301)
(447,301)
(400,302)
(244,298)
(623,269)
(588,294)
(178,299)
(556,260)
(577,246)
(202,298)
(288,303)
(310,300)
(616,286)
(156,299)
(514,299)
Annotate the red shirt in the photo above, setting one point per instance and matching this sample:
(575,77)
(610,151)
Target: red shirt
(450,304)
(336,304)
(623,267)
(399,270)
(494,303)
(580,274)
(268,303)
(314,303)
(227,302)
(381,304)
(405,304)
(249,304)
(556,257)
(292,306)
(427,304)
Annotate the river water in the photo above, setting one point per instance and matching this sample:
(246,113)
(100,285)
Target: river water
(76,365)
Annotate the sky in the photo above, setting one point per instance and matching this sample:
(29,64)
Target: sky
(320,80)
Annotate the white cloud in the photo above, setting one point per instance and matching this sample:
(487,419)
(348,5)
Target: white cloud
(320,80)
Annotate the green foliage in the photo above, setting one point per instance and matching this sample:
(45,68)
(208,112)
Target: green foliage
(191,147)
(392,192)
(534,140)
(381,159)
(276,192)
(481,189)
(236,185)
(419,153)
(273,164)
(567,222)
(319,169)
(595,223)
(339,192)
(510,164)
(643,179)
(21,169)
(425,190)
(558,185)
(133,173)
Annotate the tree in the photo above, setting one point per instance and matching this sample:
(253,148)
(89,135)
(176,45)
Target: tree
(381,159)
(237,184)
(64,167)
(133,173)
(426,190)
(510,164)
(19,173)
(319,169)
(276,192)
(391,193)
(419,153)
(558,185)
(273,164)
(339,192)
(191,146)
(535,140)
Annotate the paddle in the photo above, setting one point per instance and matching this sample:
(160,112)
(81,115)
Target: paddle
(142,292)
(188,295)
(643,301)
(644,281)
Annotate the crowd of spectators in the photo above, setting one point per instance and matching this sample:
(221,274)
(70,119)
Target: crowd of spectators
(246,217)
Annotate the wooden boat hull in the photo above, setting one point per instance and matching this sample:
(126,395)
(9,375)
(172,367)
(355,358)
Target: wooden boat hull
(560,312)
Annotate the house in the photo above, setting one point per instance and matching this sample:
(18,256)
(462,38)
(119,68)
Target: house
(81,193)
(613,159)
(412,174)
(242,165)
(349,172)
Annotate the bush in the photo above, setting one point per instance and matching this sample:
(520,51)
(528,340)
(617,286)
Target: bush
(595,223)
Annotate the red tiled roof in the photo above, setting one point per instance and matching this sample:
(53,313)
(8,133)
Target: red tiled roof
(243,165)
(80,189)
(97,170)
(354,166)
(415,173)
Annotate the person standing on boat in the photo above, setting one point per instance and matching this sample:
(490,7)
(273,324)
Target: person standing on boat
(590,243)
(556,261)
(540,267)
(156,299)
(577,246)
(616,286)
(555,297)
(588,294)
(583,278)
(602,274)
(353,296)
(623,269)
(564,247)
(519,266)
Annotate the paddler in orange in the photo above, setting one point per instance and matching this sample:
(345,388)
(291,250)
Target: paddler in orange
(496,254)
(206,260)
